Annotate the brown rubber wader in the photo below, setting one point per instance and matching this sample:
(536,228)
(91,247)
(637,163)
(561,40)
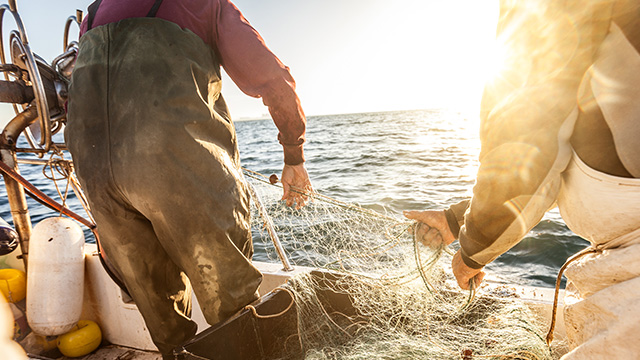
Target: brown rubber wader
(156,152)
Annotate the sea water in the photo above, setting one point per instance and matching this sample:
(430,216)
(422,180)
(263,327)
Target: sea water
(407,160)
(386,161)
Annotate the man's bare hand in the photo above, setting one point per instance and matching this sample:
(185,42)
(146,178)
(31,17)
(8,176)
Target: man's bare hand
(463,273)
(432,229)
(296,185)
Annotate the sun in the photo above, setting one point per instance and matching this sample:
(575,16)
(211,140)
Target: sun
(450,54)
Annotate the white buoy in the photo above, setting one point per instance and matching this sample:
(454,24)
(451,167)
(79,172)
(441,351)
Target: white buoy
(55,276)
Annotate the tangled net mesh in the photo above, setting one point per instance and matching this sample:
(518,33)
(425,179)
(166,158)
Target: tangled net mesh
(406,304)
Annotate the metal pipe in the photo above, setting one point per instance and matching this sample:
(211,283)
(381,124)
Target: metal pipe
(15,191)
(18,204)
(41,97)
(15,93)
(270,229)
(40,151)
(70,20)
(16,126)
(32,161)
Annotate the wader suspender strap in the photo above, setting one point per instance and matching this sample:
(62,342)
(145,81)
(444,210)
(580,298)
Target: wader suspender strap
(93,9)
(154,8)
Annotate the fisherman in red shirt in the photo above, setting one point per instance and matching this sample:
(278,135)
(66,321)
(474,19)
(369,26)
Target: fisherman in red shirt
(156,151)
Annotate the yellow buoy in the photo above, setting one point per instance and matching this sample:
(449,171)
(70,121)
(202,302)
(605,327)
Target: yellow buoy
(81,340)
(13,284)
(46,343)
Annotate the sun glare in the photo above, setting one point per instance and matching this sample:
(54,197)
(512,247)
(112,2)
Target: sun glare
(493,61)
(460,53)
(413,54)
(409,54)
(446,53)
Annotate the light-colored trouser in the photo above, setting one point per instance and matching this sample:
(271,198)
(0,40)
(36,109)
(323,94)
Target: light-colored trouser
(156,153)
(602,298)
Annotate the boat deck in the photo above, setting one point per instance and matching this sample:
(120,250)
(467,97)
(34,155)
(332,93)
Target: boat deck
(125,336)
(110,352)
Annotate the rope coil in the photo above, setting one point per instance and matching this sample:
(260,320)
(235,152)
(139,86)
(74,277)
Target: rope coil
(44,198)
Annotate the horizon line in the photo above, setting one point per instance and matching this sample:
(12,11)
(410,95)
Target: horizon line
(268,117)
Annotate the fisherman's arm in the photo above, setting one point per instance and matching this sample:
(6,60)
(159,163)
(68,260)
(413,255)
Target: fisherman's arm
(527,116)
(259,73)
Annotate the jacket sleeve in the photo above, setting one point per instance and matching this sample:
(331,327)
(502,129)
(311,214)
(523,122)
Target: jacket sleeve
(259,73)
(527,117)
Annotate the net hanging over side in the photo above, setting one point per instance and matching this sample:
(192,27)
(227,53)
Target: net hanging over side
(405,303)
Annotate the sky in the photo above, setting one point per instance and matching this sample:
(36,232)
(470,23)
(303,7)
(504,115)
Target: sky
(347,56)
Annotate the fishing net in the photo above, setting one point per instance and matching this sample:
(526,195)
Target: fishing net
(405,303)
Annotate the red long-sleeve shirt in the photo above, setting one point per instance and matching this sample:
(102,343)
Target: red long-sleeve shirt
(240,50)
